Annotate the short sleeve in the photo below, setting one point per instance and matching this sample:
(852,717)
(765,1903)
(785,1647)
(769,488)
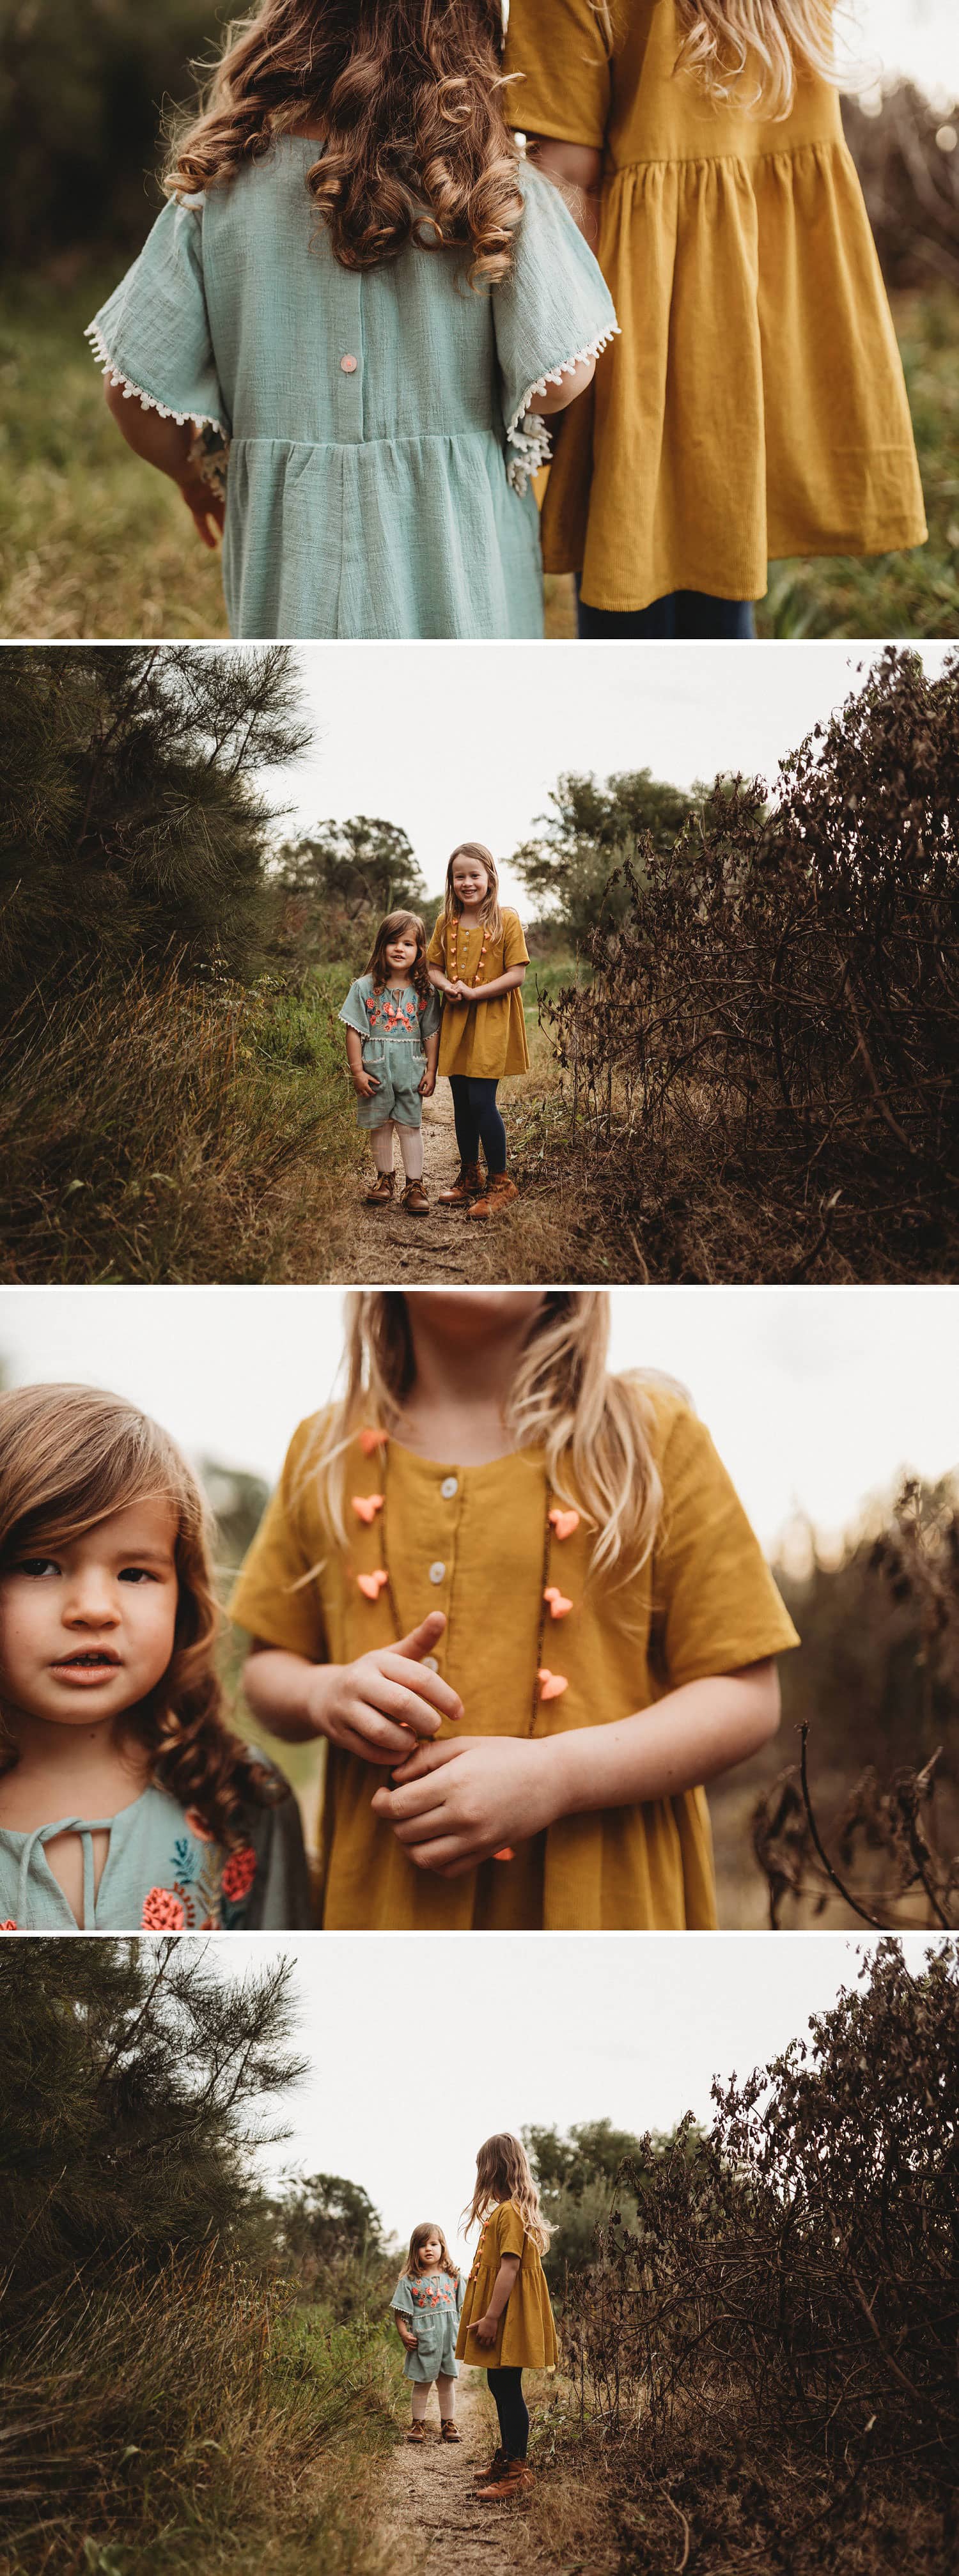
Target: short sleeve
(354,1012)
(153,334)
(553,309)
(436,952)
(402,2299)
(265,1598)
(430,1015)
(515,951)
(558,70)
(510,2233)
(715,1605)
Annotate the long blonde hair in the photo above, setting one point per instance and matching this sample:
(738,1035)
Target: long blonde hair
(71,1455)
(503,2173)
(595,1429)
(760,42)
(489,909)
(421,2236)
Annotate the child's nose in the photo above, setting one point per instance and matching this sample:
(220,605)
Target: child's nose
(92,1604)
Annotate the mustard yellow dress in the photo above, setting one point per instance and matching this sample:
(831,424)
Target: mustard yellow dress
(526,2335)
(754,405)
(472,1541)
(485,1039)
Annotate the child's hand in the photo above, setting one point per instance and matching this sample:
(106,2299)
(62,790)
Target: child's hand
(204,506)
(427,1086)
(485,2329)
(455,990)
(372,1706)
(364,1084)
(454,1805)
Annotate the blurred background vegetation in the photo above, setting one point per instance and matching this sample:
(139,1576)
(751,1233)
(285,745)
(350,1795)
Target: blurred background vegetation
(91,543)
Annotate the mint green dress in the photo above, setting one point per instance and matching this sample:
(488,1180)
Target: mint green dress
(163,1872)
(430,2303)
(377,483)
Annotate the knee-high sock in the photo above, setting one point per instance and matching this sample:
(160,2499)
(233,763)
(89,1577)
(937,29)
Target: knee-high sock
(411,1148)
(421,2390)
(446,2392)
(381,1139)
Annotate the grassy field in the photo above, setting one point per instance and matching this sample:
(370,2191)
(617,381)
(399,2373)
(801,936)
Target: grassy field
(94,544)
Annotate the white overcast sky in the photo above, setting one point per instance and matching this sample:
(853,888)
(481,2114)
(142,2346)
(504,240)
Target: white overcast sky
(920,37)
(816,1397)
(466,745)
(626,2028)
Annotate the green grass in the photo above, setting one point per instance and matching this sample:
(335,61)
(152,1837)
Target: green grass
(93,543)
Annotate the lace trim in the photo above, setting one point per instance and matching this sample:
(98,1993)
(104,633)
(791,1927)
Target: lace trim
(528,433)
(115,376)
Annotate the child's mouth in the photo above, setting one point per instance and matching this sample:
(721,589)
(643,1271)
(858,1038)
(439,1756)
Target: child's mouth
(93,1664)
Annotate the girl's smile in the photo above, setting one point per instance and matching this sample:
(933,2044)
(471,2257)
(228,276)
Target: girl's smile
(93,1622)
(401,957)
(470,883)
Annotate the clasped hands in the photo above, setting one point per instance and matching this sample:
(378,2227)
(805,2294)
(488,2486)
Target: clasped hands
(451,1805)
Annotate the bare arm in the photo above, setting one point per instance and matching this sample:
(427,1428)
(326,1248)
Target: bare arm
(485,2327)
(166,444)
(453,1804)
(364,1083)
(369,1707)
(578,168)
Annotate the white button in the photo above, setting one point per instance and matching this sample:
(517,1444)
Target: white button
(429,1663)
(448,1488)
(437,1572)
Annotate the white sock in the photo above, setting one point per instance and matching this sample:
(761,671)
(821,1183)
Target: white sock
(421,2391)
(382,1143)
(446,2392)
(411,1148)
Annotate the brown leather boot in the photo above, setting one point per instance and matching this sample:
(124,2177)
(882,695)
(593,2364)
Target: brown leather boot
(467,1186)
(415,1200)
(382,1190)
(417,2432)
(516,2477)
(488,2477)
(501,1190)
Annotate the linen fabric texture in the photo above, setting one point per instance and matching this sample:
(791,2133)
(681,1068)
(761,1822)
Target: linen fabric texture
(526,2334)
(484,1039)
(367,499)
(704,1603)
(162,1874)
(754,406)
(394,1026)
(430,2304)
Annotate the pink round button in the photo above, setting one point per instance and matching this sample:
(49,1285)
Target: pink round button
(348,366)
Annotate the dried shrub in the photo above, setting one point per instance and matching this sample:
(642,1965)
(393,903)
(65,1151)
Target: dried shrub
(768,2358)
(910,180)
(762,1072)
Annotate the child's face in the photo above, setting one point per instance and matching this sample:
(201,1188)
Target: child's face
(431,2253)
(401,953)
(470,881)
(87,1633)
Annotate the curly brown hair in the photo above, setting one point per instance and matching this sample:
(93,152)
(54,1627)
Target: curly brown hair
(406,95)
(69,1456)
(376,964)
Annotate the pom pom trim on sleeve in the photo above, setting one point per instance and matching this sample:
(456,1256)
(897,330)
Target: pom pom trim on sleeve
(135,393)
(528,433)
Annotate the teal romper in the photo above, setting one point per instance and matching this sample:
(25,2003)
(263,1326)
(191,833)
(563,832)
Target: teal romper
(430,2304)
(377,483)
(394,1026)
(163,1872)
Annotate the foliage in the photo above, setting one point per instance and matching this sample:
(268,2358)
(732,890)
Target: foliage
(910,181)
(333,2237)
(572,867)
(580,2180)
(335,885)
(772,2348)
(763,1067)
(80,96)
(134,821)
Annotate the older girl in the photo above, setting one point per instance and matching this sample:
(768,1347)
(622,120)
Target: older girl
(125,1801)
(358,294)
(754,406)
(477,958)
(527,1590)
(507,2322)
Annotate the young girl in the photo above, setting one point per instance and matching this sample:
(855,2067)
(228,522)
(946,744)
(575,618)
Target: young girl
(543,1574)
(507,2322)
(477,959)
(426,2303)
(755,405)
(392,1020)
(359,291)
(125,1803)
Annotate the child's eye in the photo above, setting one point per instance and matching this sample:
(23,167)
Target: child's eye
(135,1574)
(36,1565)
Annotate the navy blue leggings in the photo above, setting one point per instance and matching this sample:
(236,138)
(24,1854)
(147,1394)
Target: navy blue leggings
(682,613)
(478,1121)
(506,2391)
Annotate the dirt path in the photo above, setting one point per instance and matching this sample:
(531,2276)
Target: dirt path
(386,1244)
(430,2515)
